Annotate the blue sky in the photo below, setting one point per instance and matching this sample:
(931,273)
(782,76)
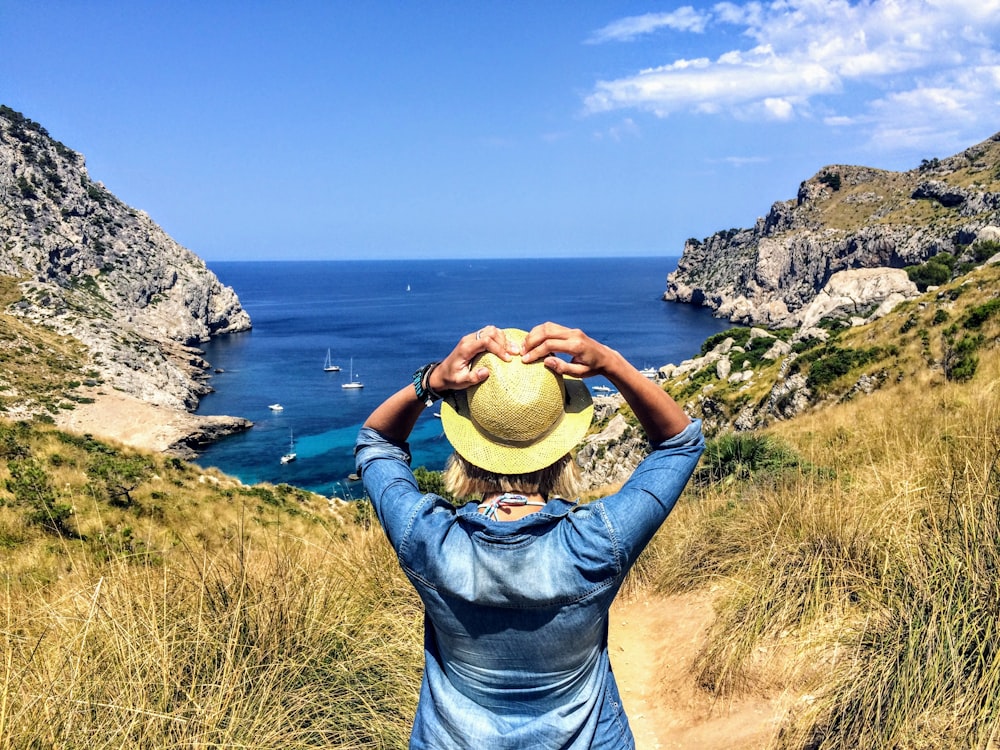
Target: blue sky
(307,129)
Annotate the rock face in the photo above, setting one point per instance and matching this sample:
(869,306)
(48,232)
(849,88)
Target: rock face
(844,219)
(860,294)
(611,455)
(93,268)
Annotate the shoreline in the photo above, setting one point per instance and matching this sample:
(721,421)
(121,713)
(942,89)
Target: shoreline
(120,417)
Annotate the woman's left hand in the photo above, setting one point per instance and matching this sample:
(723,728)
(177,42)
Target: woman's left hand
(455,373)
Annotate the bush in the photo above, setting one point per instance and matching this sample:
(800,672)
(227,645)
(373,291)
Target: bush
(981,313)
(431,482)
(120,474)
(31,486)
(831,180)
(740,336)
(743,456)
(932,273)
(984,250)
(834,362)
(960,358)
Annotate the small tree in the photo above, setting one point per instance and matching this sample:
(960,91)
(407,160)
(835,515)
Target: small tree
(120,474)
(31,486)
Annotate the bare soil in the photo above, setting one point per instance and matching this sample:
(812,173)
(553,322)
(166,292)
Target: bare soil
(120,417)
(654,641)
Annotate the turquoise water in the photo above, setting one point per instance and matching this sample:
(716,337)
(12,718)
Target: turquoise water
(390,317)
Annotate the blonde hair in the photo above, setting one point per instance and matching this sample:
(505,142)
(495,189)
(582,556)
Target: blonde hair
(465,480)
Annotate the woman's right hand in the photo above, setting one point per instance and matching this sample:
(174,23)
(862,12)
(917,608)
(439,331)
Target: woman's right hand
(455,373)
(588,357)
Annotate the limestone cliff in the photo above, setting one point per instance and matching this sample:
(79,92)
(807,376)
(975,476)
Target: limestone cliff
(844,218)
(95,269)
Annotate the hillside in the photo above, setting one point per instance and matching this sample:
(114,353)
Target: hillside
(828,579)
(831,582)
(89,267)
(844,218)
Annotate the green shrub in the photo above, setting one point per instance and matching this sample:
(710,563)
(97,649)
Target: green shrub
(981,313)
(743,456)
(984,250)
(960,358)
(14,441)
(932,273)
(120,474)
(431,482)
(31,486)
(740,336)
(831,180)
(833,362)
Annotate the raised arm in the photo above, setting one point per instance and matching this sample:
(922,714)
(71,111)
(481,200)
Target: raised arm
(658,413)
(397,415)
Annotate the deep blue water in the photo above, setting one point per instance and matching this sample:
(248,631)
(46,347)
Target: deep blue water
(390,317)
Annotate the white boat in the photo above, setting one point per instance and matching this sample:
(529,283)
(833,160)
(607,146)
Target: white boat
(649,372)
(328,366)
(352,383)
(291,455)
(276,407)
(602,389)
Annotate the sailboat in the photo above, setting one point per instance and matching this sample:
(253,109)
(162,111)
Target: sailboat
(352,383)
(291,455)
(328,365)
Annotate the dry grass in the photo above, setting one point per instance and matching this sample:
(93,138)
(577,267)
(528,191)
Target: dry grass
(867,575)
(863,573)
(290,645)
(204,615)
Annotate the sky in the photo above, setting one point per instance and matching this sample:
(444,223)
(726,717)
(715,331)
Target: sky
(308,129)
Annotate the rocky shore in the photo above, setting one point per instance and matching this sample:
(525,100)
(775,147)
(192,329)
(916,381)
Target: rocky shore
(91,268)
(123,418)
(840,247)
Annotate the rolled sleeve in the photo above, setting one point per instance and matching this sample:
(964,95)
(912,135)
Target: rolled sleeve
(638,510)
(384,467)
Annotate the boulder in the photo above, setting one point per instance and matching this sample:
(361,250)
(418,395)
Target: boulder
(861,290)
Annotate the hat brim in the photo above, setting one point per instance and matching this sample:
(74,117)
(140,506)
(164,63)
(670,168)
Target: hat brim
(482,450)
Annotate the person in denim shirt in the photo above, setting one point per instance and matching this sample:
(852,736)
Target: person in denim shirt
(517,588)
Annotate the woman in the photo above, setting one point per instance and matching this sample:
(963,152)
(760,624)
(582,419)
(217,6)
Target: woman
(517,589)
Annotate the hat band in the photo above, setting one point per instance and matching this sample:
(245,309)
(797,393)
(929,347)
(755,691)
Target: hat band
(511,442)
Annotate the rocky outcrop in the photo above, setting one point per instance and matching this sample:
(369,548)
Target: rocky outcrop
(861,295)
(843,219)
(93,268)
(608,457)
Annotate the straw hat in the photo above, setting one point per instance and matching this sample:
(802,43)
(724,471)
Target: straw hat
(522,418)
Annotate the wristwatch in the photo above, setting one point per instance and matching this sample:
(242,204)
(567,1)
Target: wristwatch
(424,392)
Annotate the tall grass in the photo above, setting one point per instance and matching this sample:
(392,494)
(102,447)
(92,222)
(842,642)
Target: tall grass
(264,644)
(872,587)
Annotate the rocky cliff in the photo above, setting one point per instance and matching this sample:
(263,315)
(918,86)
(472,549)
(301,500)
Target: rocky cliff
(95,269)
(844,218)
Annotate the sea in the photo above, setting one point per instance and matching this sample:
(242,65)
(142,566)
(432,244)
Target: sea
(380,321)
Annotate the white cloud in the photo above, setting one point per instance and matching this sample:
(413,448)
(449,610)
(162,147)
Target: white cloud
(755,76)
(778,108)
(627,29)
(873,62)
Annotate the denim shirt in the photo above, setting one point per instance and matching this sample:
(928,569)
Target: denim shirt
(516,612)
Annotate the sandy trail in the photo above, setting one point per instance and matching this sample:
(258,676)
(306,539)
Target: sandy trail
(653,643)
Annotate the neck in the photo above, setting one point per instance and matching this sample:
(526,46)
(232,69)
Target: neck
(510,506)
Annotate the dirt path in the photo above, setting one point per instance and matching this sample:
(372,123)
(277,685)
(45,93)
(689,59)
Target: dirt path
(653,643)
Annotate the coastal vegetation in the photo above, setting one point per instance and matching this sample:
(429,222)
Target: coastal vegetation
(852,553)
(844,521)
